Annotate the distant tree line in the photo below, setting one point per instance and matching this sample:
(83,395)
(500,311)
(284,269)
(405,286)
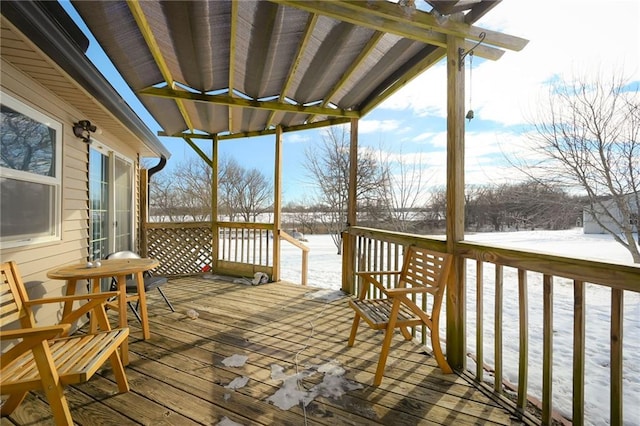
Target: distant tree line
(184,193)
(503,207)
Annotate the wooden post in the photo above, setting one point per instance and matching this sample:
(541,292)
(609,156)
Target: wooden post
(215,239)
(144,212)
(348,243)
(277,205)
(456,342)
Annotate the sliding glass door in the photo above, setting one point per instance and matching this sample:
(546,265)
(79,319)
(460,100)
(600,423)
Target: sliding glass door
(110,203)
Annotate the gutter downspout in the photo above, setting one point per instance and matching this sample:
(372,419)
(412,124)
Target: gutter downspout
(152,171)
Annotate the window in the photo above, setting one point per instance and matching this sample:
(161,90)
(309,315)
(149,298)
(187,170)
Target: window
(30,175)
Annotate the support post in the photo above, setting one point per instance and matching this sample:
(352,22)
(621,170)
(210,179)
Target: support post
(456,342)
(348,240)
(277,205)
(215,238)
(144,212)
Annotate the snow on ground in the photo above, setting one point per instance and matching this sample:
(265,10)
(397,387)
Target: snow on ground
(325,268)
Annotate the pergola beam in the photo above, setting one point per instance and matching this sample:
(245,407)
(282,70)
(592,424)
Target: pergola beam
(272,131)
(158,57)
(421,26)
(247,103)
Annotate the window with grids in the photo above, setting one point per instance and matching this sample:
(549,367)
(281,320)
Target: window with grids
(30,175)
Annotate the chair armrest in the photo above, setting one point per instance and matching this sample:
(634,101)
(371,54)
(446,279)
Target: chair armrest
(378,272)
(368,277)
(95,301)
(61,299)
(410,290)
(30,338)
(39,333)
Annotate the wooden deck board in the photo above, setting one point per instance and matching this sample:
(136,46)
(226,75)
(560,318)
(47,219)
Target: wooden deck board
(177,377)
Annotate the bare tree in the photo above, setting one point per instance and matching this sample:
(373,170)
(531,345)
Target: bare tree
(328,166)
(401,193)
(163,203)
(185,192)
(254,194)
(192,181)
(586,135)
(229,175)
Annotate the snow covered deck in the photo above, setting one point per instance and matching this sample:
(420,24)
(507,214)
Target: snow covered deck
(236,363)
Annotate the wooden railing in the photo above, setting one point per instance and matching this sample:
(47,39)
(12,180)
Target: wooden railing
(305,254)
(186,248)
(244,248)
(502,272)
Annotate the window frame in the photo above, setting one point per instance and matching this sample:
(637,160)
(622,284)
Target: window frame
(55,181)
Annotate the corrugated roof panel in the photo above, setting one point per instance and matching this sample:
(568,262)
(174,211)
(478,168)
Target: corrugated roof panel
(195,42)
(119,35)
(200,31)
(360,89)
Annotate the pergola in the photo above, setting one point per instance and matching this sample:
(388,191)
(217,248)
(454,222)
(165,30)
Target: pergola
(233,69)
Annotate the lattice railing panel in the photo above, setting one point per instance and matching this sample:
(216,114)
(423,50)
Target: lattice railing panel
(181,248)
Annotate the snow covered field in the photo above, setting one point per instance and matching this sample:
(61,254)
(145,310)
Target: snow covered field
(325,272)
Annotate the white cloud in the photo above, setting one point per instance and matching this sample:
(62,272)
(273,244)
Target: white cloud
(296,137)
(566,38)
(373,126)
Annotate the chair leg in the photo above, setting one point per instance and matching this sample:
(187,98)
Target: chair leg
(437,349)
(406,333)
(166,300)
(354,329)
(118,372)
(12,403)
(51,384)
(386,344)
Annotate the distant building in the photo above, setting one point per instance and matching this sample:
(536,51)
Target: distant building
(593,227)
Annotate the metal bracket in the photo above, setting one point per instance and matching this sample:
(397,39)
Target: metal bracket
(462,54)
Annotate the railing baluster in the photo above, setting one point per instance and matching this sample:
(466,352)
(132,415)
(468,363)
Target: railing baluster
(497,383)
(523,363)
(235,257)
(479,322)
(578,352)
(267,251)
(254,245)
(547,350)
(617,307)
(243,252)
(263,234)
(224,242)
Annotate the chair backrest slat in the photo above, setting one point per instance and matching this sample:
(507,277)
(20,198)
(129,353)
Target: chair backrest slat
(12,293)
(423,268)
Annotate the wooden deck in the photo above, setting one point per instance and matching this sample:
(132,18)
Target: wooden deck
(178,376)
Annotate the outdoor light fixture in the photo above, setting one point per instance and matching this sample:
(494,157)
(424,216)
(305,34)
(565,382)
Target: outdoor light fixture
(83,129)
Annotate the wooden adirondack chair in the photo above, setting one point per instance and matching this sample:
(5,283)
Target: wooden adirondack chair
(42,359)
(423,272)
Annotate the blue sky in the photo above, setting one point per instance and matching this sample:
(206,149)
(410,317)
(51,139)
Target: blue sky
(567,38)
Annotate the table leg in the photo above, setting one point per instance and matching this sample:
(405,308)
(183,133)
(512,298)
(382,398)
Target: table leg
(122,314)
(95,288)
(71,290)
(142,303)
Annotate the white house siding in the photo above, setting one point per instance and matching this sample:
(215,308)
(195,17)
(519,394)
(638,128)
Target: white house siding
(592,227)
(35,260)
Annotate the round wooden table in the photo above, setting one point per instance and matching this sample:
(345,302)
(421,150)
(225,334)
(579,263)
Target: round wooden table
(118,269)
